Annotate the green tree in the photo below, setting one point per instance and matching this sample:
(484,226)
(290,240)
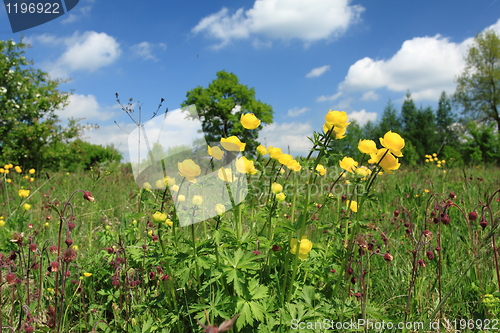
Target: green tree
(29,133)
(216,104)
(389,120)
(478,89)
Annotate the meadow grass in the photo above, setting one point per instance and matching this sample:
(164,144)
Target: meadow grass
(412,253)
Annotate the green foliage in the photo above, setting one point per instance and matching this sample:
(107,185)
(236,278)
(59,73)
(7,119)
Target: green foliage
(478,87)
(482,144)
(29,133)
(215,103)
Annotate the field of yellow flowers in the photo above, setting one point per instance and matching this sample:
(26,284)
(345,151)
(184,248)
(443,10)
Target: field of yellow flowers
(223,242)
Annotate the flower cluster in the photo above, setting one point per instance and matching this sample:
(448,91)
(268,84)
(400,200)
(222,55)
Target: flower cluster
(434,159)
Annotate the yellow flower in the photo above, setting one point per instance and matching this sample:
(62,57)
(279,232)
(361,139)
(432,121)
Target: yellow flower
(175,188)
(321,169)
(215,152)
(225,174)
(159,217)
(6,167)
(434,155)
(304,247)
(189,169)
(245,165)
(435,158)
(160,184)
(32,179)
(394,142)
(197,200)
(389,163)
(294,165)
(426,191)
(2,170)
(86,274)
(24,193)
(336,118)
(285,159)
(181,198)
(169,181)
(367,146)
(274,152)
(150,232)
(348,164)
(261,150)
(276,188)
(146,186)
(353,205)
(232,144)
(6,171)
(249,121)
(220,209)
(2,222)
(169,222)
(27,206)
(18,169)
(31,171)
(280,197)
(363,171)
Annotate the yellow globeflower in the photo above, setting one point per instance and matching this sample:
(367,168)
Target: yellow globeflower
(285,159)
(8,180)
(220,209)
(294,165)
(160,184)
(159,217)
(367,146)
(304,247)
(245,165)
(197,200)
(24,193)
(353,205)
(181,198)
(215,152)
(363,171)
(146,186)
(339,132)
(232,144)
(348,164)
(169,222)
(337,118)
(2,223)
(31,171)
(280,197)
(6,171)
(6,167)
(321,169)
(389,163)
(169,181)
(2,170)
(175,188)
(86,274)
(394,142)
(27,206)
(18,169)
(249,121)
(261,150)
(274,152)
(225,174)
(189,169)
(276,188)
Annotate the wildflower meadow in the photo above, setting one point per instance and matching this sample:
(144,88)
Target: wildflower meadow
(269,243)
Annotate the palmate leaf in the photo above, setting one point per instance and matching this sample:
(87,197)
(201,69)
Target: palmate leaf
(256,290)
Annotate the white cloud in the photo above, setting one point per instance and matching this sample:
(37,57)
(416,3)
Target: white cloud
(145,50)
(318,71)
(77,14)
(81,106)
(296,111)
(293,135)
(370,96)
(86,52)
(362,117)
(424,65)
(309,21)
(333,97)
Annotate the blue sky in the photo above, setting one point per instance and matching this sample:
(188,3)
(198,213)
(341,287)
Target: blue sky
(303,57)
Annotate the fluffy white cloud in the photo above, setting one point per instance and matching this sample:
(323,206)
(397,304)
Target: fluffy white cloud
(309,21)
(318,71)
(424,65)
(81,106)
(293,135)
(333,97)
(296,111)
(84,52)
(362,117)
(144,50)
(369,96)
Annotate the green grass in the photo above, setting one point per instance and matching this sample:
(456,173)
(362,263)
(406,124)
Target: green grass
(151,277)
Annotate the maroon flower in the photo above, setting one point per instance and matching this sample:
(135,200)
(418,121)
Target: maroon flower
(68,242)
(483,223)
(276,248)
(11,278)
(69,255)
(33,247)
(430,255)
(88,196)
(388,257)
(421,263)
(472,216)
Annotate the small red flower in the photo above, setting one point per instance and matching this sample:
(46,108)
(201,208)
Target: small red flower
(430,255)
(472,216)
(388,257)
(88,196)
